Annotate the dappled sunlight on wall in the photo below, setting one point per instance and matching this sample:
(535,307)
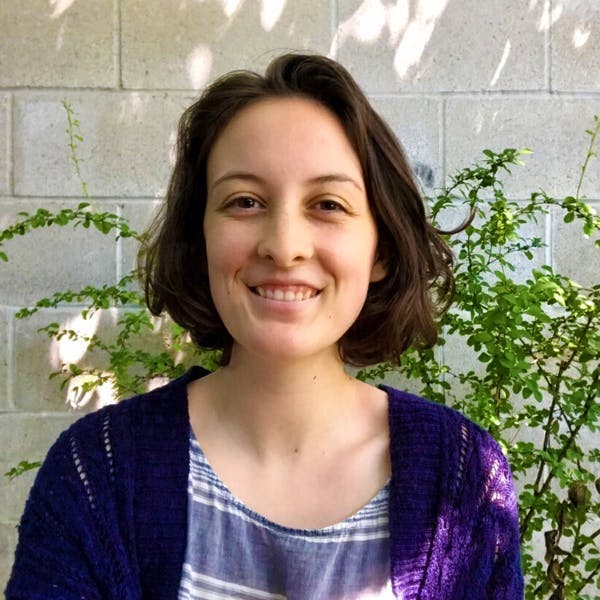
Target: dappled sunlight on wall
(550,15)
(199,62)
(230,7)
(270,12)
(59,7)
(417,34)
(365,25)
(580,36)
(70,349)
(427,45)
(407,27)
(199,66)
(501,64)
(77,397)
(195,41)
(86,356)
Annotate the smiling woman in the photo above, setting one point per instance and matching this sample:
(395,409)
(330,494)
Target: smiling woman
(294,239)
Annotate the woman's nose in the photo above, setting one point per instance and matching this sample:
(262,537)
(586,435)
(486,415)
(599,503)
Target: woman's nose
(285,239)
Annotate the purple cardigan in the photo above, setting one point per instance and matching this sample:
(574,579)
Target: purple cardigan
(107,515)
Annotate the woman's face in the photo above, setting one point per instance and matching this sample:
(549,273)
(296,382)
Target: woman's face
(290,239)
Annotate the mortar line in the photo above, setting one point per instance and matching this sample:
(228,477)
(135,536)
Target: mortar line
(442,140)
(549,238)
(10,358)
(548,49)
(189,93)
(10,146)
(119,249)
(117,43)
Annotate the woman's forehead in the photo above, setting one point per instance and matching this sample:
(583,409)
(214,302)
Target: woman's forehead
(284,135)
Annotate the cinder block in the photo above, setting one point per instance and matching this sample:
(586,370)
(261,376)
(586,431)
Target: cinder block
(24,437)
(417,123)
(57,43)
(126,148)
(8,543)
(37,356)
(4,356)
(54,258)
(576,46)
(186,45)
(573,254)
(442,46)
(4,143)
(554,128)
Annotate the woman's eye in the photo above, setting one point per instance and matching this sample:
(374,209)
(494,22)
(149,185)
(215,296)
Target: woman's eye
(243,202)
(330,206)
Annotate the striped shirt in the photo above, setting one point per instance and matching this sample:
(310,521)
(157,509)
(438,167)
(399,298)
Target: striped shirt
(233,552)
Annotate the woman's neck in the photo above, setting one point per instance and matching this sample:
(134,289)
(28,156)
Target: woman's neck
(282,409)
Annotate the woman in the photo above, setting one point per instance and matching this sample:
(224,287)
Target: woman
(294,239)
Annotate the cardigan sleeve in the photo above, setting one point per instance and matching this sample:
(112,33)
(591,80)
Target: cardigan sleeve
(69,544)
(483,544)
(500,507)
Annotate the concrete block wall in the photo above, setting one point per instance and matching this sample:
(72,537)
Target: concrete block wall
(451,76)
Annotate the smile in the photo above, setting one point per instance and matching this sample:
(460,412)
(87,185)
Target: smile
(289,293)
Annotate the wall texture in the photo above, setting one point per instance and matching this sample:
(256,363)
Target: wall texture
(451,76)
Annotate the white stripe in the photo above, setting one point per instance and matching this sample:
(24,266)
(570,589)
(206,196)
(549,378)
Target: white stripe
(202,583)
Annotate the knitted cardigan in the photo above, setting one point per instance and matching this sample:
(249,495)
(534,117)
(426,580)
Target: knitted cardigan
(107,515)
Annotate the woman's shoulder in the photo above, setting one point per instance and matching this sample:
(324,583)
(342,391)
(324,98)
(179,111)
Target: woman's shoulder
(419,424)
(131,439)
(131,430)
(435,449)
(160,407)
(411,410)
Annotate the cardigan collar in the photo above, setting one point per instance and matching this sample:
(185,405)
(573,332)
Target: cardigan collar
(414,490)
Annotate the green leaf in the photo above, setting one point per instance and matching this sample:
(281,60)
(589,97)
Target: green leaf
(103,226)
(21,468)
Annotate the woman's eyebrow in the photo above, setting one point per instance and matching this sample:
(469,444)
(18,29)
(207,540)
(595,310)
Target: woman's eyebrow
(244,175)
(337,178)
(326,178)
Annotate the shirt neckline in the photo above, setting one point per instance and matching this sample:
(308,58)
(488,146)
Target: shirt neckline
(344,525)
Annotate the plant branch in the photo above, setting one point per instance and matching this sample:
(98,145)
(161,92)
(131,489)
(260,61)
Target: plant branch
(593,134)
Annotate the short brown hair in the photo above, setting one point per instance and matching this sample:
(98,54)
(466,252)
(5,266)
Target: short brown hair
(399,310)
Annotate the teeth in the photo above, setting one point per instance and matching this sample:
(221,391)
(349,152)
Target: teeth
(285,296)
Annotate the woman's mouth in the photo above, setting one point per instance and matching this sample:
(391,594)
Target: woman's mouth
(287,293)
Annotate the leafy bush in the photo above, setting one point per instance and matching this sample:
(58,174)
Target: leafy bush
(530,350)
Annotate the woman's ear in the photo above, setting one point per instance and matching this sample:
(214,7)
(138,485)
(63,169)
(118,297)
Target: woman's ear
(378,271)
